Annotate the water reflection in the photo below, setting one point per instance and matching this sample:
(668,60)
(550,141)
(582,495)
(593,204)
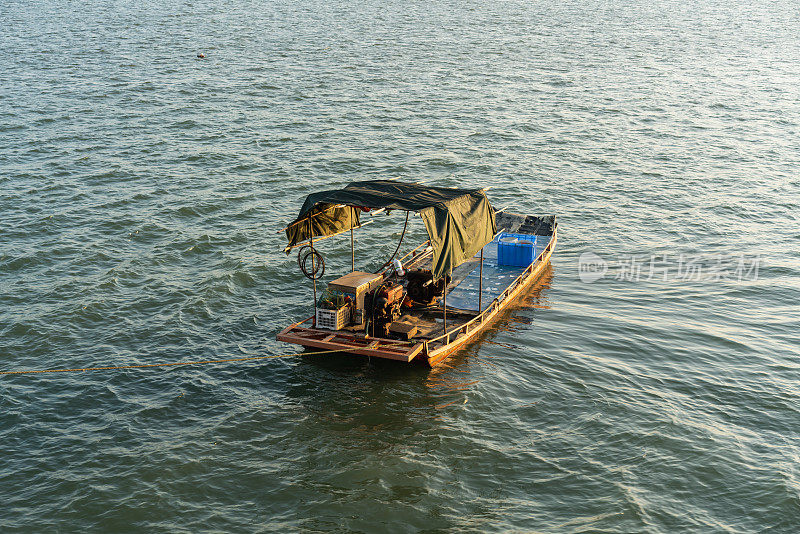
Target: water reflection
(361,403)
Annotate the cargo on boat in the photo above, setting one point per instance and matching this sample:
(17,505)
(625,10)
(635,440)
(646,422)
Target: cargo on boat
(425,305)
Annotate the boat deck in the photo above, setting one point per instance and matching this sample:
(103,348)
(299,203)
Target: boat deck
(463,294)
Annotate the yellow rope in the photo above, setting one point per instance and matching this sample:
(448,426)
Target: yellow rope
(172,364)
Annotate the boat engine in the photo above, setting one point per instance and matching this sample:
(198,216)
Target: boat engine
(422,288)
(382,307)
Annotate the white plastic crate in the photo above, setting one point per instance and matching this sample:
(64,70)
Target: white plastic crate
(333,319)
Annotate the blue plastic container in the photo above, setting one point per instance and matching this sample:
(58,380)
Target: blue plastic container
(516,250)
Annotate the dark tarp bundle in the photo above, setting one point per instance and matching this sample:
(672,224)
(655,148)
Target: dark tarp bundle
(459,221)
(328,219)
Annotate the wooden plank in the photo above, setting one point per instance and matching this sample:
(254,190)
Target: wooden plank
(392,351)
(416,349)
(342,335)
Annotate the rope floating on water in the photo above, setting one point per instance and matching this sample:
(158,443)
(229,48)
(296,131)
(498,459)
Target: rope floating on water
(166,364)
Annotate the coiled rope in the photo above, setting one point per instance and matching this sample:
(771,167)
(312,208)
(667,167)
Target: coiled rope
(166,364)
(317,261)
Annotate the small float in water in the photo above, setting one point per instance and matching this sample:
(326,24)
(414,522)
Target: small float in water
(432,301)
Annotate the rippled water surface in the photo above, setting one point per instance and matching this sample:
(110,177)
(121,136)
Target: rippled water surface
(142,190)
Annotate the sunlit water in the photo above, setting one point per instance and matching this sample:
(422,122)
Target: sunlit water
(141,192)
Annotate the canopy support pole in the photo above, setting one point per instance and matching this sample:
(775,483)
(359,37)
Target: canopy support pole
(444,309)
(352,242)
(480,283)
(313,270)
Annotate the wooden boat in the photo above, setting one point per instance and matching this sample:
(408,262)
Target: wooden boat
(432,301)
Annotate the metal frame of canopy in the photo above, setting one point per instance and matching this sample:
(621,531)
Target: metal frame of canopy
(458,221)
(310,243)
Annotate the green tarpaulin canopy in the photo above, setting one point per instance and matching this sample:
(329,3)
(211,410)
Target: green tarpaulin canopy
(459,221)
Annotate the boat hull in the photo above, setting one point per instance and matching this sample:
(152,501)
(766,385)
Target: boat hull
(430,353)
